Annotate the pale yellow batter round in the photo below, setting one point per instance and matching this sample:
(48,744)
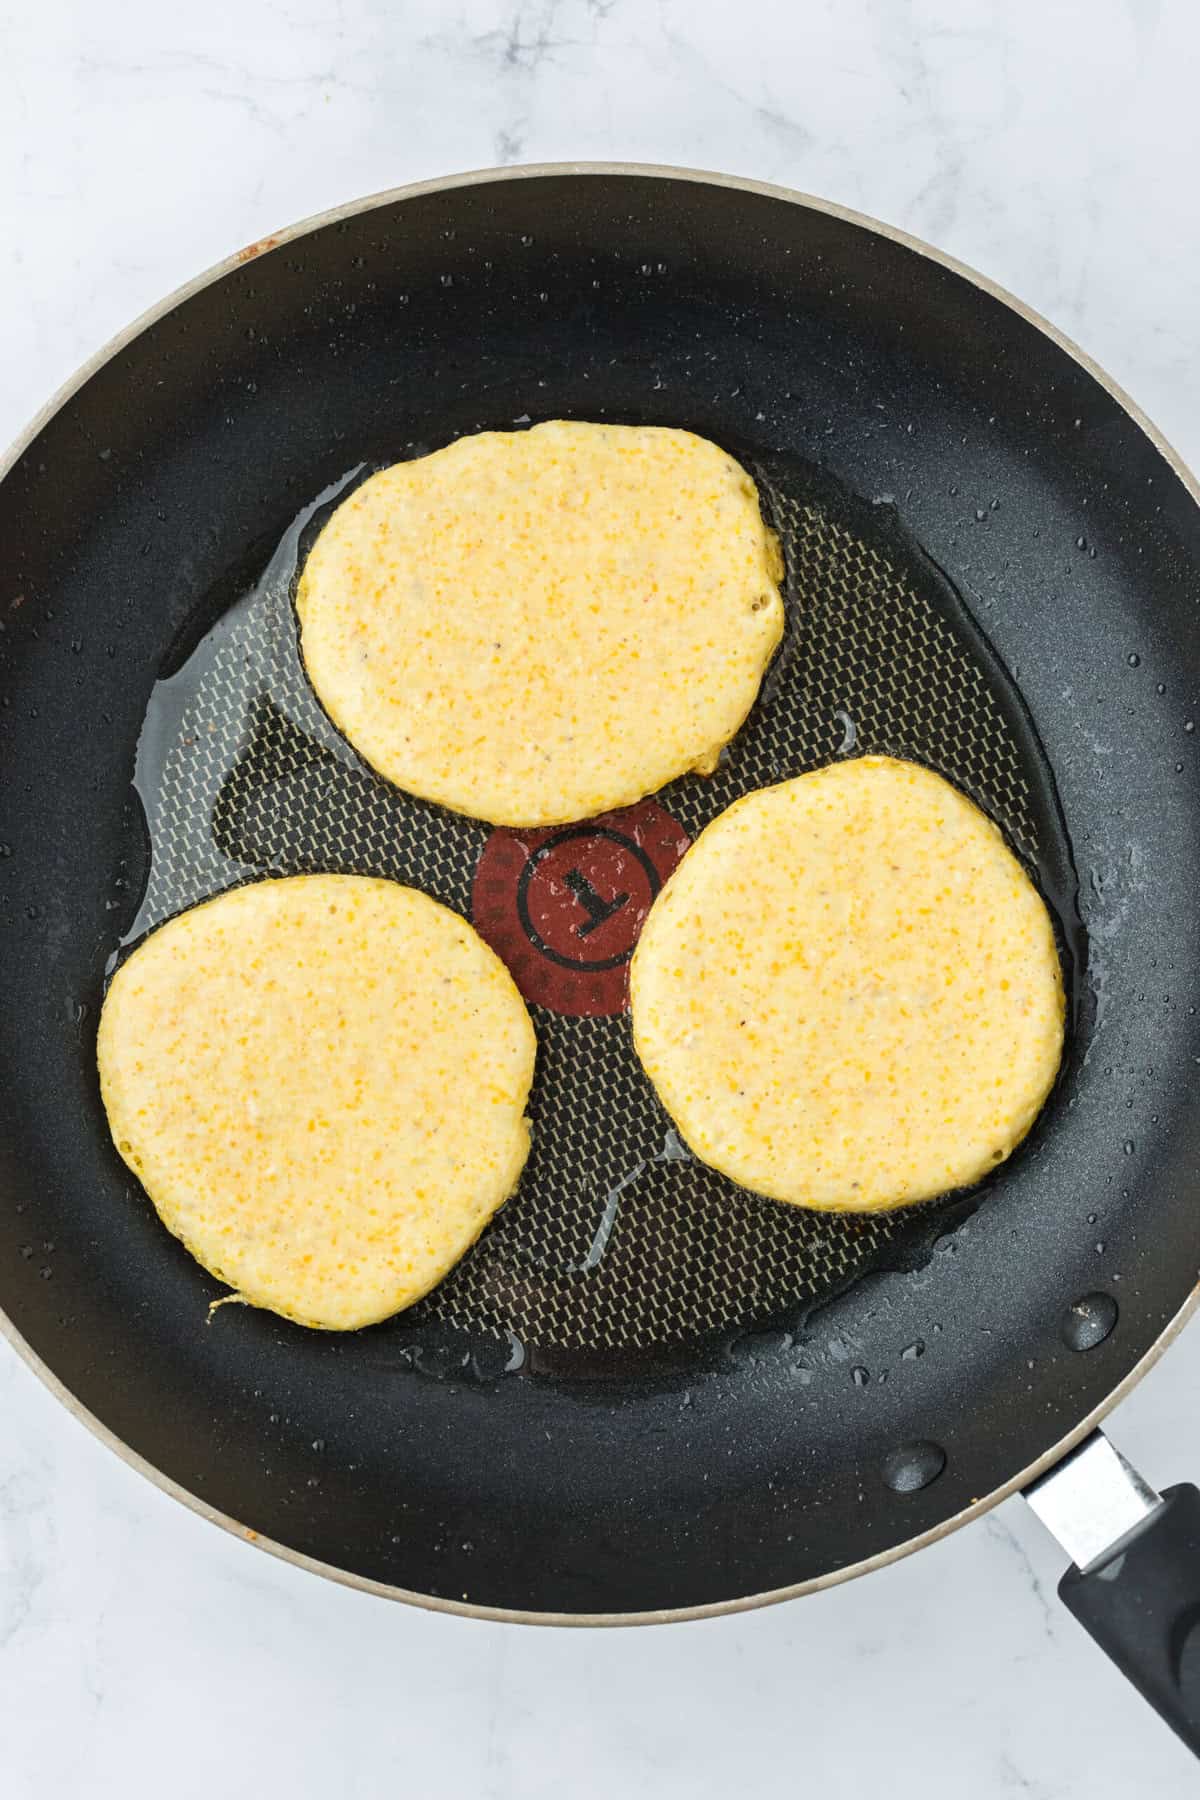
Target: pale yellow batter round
(536,626)
(848,995)
(321,1084)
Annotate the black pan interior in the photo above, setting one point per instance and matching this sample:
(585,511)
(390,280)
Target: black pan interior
(152,500)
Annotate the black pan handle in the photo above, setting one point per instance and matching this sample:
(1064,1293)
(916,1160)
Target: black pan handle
(1134,1585)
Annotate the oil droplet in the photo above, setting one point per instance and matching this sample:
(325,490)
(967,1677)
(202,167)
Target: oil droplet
(980,515)
(1133,659)
(911,1467)
(1161,687)
(1189,726)
(1089,1321)
(1081,543)
(1129,1146)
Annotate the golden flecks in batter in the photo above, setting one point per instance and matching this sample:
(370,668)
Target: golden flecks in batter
(535,626)
(848,995)
(321,1084)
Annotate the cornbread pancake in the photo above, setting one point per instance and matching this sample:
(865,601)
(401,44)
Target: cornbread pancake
(321,1084)
(536,626)
(848,995)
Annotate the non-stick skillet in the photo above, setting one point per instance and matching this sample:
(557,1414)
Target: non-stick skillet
(645,1394)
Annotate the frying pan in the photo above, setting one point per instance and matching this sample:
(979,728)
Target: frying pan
(994,565)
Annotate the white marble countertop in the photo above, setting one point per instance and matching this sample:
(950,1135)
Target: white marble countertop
(1052,146)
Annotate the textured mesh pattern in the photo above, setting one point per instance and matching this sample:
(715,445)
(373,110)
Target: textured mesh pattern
(617,1239)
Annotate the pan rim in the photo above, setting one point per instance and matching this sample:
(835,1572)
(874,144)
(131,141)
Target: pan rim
(662,172)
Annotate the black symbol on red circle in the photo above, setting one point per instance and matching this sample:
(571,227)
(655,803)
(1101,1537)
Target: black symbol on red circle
(564,906)
(596,909)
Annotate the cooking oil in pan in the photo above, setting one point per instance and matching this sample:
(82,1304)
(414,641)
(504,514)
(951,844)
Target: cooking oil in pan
(618,1245)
